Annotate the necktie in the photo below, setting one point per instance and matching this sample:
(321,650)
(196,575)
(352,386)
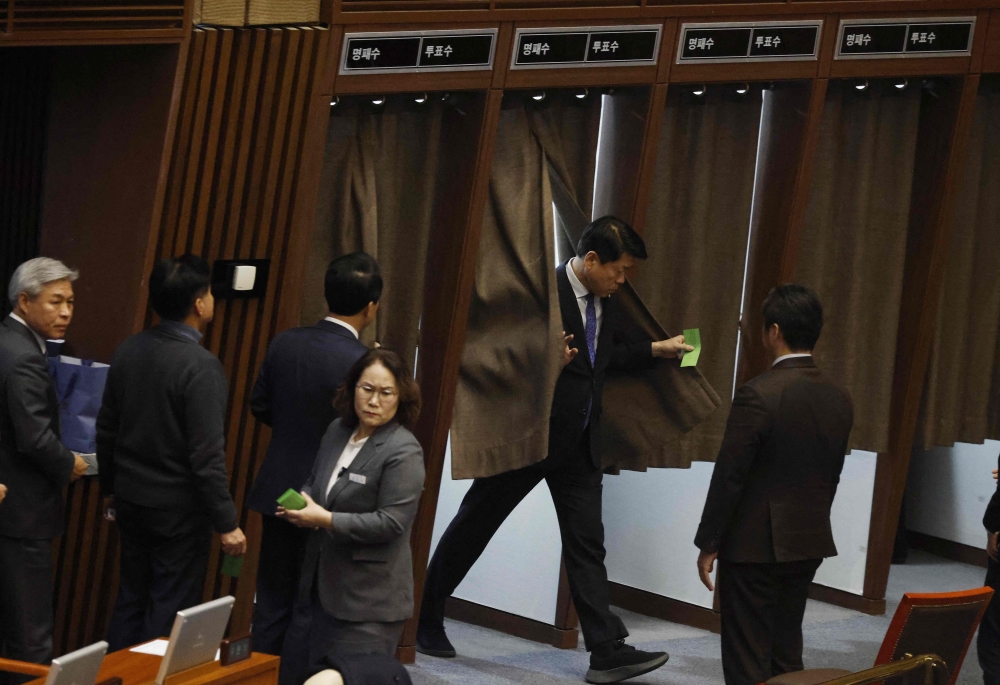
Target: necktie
(591,328)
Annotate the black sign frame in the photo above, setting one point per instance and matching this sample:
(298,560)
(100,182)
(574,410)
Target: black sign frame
(752,26)
(908,22)
(423,36)
(585,62)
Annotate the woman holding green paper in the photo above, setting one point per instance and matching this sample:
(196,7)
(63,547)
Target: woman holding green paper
(356,590)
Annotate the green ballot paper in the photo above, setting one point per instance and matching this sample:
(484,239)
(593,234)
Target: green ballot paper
(231,566)
(692,336)
(292,500)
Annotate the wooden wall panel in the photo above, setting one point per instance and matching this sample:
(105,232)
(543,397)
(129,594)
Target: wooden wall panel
(232,186)
(86,21)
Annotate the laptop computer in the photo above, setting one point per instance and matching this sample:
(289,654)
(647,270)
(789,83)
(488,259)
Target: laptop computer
(79,667)
(195,637)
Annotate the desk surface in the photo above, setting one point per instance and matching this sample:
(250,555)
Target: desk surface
(140,669)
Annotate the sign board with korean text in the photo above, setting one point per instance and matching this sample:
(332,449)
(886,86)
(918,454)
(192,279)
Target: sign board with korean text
(418,51)
(586,46)
(777,41)
(898,38)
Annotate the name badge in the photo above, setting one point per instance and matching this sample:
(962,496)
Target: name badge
(357,478)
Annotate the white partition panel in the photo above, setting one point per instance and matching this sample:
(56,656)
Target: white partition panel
(519,571)
(650,520)
(948,490)
(851,519)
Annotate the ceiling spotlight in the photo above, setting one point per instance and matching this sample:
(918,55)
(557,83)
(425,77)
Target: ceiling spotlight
(581,94)
(378,100)
(538,96)
(900,83)
(335,101)
(743,88)
(699,90)
(420,99)
(861,85)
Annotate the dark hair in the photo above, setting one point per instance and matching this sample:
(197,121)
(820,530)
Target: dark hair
(610,238)
(175,284)
(798,313)
(409,392)
(352,281)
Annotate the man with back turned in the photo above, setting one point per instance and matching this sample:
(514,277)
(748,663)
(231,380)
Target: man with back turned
(162,459)
(294,396)
(767,517)
(592,318)
(34,464)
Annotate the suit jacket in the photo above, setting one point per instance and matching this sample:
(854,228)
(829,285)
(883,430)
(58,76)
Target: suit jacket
(580,384)
(778,468)
(991,519)
(34,465)
(294,396)
(364,564)
(160,431)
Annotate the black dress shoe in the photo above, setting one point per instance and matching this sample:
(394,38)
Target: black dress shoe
(434,642)
(619,661)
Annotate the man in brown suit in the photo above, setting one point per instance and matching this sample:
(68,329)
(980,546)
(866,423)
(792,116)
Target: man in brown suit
(767,517)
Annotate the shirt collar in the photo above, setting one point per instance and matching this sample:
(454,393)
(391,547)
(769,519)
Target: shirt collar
(346,325)
(579,289)
(794,355)
(181,328)
(39,339)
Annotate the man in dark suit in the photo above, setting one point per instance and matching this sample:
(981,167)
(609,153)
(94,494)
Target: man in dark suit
(162,459)
(34,465)
(988,642)
(572,469)
(294,396)
(767,517)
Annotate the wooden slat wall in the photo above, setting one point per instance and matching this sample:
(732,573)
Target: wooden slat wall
(231,189)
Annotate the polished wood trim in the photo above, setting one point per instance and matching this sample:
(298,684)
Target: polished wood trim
(665,608)
(943,136)
(991,47)
(511,624)
(848,600)
(23,667)
(583,77)
(410,83)
(949,549)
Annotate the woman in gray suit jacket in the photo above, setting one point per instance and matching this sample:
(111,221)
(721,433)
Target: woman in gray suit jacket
(361,499)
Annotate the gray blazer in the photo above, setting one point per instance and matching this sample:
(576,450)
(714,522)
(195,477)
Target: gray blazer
(363,568)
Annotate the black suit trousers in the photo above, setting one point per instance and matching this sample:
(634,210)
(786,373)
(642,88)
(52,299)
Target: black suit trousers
(576,489)
(282,550)
(164,558)
(25,602)
(988,643)
(762,608)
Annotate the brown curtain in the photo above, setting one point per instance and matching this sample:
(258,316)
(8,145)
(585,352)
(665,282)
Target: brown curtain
(696,231)
(377,194)
(853,246)
(961,379)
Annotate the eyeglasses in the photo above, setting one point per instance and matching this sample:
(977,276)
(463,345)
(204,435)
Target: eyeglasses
(366,392)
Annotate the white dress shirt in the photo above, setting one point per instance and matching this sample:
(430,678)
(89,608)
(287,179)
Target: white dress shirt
(351,450)
(581,292)
(791,356)
(346,325)
(38,338)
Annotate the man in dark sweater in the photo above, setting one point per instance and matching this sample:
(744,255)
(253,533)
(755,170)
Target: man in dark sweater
(294,396)
(161,456)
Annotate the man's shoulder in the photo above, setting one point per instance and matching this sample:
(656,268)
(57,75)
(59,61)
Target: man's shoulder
(16,348)
(316,341)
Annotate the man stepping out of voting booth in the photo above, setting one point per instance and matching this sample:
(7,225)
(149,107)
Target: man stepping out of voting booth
(592,322)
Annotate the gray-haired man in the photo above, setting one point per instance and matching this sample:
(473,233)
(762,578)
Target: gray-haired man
(34,464)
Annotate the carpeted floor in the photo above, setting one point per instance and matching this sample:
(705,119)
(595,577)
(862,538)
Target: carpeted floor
(834,637)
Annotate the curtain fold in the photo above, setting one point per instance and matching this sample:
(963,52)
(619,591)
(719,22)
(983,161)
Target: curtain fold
(962,379)
(697,228)
(853,247)
(377,194)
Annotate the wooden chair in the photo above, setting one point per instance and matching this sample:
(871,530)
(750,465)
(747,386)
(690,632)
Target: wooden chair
(23,668)
(941,623)
(934,672)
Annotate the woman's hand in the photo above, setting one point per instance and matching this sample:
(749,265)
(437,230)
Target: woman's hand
(311,516)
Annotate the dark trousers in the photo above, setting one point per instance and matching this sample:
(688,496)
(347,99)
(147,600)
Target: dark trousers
(164,557)
(988,643)
(282,549)
(762,607)
(25,601)
(576,489)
